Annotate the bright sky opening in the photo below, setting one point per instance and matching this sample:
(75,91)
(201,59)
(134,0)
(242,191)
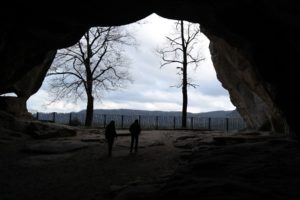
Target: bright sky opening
(151,88)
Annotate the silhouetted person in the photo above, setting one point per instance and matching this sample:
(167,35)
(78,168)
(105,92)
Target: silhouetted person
(135,131)
(110,135)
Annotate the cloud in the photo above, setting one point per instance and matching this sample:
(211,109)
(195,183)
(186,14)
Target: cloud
(203,103)
(154,106)
(212,88)
(151,89)
(40,103)
(62,106)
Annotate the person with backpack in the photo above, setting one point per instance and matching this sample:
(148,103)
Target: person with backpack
(135,131)
(110,135)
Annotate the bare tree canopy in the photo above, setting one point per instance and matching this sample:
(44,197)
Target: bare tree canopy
(95,64)
(180,50)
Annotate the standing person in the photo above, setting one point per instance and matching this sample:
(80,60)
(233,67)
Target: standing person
(135,131)
(110,135)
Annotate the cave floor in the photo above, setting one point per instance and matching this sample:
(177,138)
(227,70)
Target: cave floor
(169,164)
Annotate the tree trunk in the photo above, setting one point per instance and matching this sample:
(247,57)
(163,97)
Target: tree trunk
(184,79)
(184,97)
(90,100)
(89,111)
(184,105)
(89,86)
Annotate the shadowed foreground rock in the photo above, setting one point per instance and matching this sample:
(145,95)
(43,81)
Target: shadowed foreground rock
(58,147)
(40,130)
(67,167)
(261,170)
(34,128)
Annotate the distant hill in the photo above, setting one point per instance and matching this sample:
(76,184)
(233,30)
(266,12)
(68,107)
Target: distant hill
(150,119)
(212,114)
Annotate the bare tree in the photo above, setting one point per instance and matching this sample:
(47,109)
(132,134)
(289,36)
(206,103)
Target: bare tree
(180,50)
(95,64)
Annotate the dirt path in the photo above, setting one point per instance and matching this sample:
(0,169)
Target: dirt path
(87,173)
(169,165)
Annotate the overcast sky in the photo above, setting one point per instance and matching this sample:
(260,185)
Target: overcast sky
(151,89)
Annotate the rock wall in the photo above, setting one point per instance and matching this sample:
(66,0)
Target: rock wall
(13,105)
(28,84)
(248,92)
(31,81)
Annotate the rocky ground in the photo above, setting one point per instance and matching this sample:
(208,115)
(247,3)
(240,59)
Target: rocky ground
(169,165)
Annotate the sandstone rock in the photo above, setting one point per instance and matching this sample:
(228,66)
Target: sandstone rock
(253,99)
(54,147)
(41,130)
(13,105)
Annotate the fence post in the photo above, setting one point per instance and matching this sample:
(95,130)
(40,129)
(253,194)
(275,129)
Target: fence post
(156,122)
(174,122)
(192,122)
(37,115)
(70,118)
(209,123)
(54,116)
(227,124)
(122,121)
(140,119)
(104,123)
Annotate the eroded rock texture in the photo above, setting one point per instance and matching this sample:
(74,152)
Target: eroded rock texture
(255,46)
(248,92)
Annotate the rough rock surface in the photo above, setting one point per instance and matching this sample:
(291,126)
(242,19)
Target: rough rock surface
(58,147)
(13,105)
(34,128)
(248,92)
(49,169)
(40,130)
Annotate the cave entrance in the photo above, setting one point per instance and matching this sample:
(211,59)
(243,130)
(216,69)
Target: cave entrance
(151,89)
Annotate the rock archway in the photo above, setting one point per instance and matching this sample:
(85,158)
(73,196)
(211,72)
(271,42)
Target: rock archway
(254,48)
